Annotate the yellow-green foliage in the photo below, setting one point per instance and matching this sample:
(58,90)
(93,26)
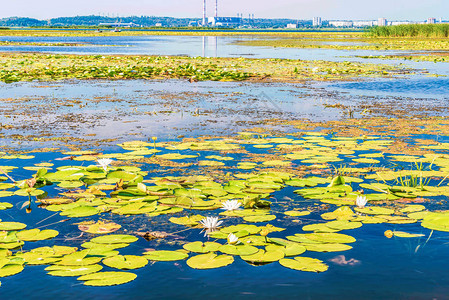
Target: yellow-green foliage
(412,30)
(25,67)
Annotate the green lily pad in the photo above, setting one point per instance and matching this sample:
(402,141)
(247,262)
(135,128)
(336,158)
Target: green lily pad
(5,205)
(260,218)
(39,258)
(33,235)
(78,259)
(241,249)
(107,278)
(125,262)
(295,213)
(165,255)
(80,211)
(209,261)
(330,238)
(290,249)
(412,209)
(320,227)
(435,221)
(263,256)
(307,264)
(343,225)
(69,271)
(10,269)
(187,221)
(90,245)
(247,228)
(115,239)
(199,247)
(12,226)
(375,210)
(327,247)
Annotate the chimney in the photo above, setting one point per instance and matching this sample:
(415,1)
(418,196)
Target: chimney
(204,13)
(216,8)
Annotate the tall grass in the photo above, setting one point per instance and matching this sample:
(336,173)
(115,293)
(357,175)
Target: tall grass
(411,30)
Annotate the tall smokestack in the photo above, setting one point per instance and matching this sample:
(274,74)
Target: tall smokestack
(204,13)
(216,8)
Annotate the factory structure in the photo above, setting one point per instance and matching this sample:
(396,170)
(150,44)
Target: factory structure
(371,23)
(217,21)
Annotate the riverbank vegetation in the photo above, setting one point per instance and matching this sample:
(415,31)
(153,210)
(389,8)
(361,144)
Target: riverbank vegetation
(31,66)
(412,30)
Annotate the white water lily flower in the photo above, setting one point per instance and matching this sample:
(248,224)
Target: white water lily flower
(104,163)
(231,205)
(361,201)
(211,223)
(233,239)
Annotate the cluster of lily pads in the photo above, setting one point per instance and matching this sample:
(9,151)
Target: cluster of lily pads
(27,67)
(226,193)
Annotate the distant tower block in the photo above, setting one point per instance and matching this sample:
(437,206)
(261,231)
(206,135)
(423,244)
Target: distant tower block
(382,22)
(317,22)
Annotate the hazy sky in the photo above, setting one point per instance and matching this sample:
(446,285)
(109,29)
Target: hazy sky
(296,9)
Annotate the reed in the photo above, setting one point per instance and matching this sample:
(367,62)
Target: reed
(411,30)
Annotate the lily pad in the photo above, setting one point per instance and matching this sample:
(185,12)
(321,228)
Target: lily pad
(199,247)
(125,262)
(263,256)
(165,255)
(209,261)
(99,228)
(107,278)
(238,249)
(69,271)
(36,235)
(327,247)
(12,226)
(80,211)
(115,239)
(307,264)
(260,218)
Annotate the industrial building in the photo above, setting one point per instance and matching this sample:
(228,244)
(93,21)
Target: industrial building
(382,22)
(317,22)
(224,21)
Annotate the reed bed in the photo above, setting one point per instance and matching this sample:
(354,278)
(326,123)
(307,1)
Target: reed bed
(411,30)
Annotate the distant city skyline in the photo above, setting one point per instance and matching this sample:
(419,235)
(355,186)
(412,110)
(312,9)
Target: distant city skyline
(293,9)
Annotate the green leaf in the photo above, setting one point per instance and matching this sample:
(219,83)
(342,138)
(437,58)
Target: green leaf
(200,247)
(69,271)
(263,256)
(125,262)
(304,264)
(209,261)
(80,211)
(107,278)
(238,249)
(12,226)
(114,239)
(33,235)
(165,255)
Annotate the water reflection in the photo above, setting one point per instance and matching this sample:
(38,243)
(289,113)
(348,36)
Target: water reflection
(210,46)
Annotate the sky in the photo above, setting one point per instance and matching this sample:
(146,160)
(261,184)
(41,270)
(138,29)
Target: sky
(294,9)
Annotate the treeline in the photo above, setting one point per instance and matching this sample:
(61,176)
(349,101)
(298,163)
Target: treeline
(144,21)
(411,30)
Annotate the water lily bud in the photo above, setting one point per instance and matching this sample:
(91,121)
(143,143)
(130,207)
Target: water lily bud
(28,210)
(389,234)
(264,232)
